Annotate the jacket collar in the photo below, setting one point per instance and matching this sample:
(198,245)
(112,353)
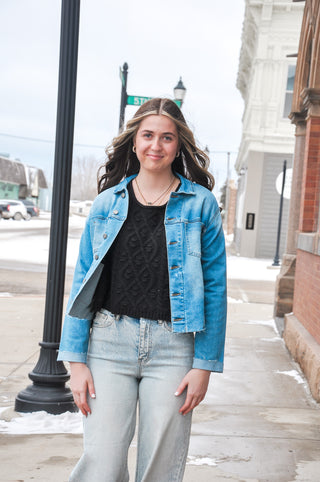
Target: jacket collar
(123,184)
(186,186)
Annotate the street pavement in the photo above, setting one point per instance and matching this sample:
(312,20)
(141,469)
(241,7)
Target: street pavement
(257,423)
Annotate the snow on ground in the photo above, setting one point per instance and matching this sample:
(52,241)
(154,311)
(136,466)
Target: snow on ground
(34,248)
(293,373)
(230,300)
(42,422)
(251,268)
(201,461)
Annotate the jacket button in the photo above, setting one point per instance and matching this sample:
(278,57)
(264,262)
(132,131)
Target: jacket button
(105,236)
(96,256)
(115,211)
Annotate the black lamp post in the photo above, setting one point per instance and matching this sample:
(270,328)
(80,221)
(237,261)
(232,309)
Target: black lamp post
(276,260)
(179,92)
(48,391)
(124,95)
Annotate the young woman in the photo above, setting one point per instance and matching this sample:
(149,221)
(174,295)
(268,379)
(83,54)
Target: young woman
(147,311)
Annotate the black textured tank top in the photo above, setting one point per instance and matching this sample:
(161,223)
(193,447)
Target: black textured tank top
(135,280)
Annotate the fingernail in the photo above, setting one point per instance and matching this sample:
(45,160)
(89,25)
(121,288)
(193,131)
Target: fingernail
(93,395)
(176,394)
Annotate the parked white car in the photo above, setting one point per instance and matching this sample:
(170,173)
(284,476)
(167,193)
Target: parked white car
(82,208)
(12,208)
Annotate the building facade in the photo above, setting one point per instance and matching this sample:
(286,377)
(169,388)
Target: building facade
(302,325)
(19,181)
(265,79)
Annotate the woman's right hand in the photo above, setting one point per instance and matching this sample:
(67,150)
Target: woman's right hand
(81,382)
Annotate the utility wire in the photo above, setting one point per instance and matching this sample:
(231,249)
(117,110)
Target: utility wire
(3,134)
(46,140)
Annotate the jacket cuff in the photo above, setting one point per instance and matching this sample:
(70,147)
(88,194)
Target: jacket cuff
(72,357)
(211,365)
(74,340)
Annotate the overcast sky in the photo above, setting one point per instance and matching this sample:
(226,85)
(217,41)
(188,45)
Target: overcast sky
(161,40)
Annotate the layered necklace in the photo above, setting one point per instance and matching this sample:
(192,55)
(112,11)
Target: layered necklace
(149,203)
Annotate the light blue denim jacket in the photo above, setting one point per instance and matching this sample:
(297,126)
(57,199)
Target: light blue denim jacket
(196,264)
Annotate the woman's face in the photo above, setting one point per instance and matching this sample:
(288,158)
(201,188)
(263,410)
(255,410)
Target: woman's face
(156,143)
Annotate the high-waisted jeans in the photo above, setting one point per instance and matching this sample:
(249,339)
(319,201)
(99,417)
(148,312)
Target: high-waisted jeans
(136,360)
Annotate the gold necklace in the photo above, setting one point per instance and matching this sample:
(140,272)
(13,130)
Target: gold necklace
(158,198)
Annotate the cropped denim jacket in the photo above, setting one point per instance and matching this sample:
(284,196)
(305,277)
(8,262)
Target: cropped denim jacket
(196,264)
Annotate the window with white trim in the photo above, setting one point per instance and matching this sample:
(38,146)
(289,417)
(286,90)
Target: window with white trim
(289,91)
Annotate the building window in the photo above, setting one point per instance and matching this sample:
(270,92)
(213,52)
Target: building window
(289,91)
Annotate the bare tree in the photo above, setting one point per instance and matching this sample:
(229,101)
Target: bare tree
(223,199)
(84,178)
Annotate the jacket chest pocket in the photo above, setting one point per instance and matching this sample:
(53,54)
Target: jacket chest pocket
(100,232)
(193,238)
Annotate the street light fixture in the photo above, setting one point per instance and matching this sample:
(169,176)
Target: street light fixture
(48,391)
(179,91)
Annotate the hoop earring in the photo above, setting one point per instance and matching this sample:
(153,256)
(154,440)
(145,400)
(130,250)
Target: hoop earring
(134,149)
(178,153)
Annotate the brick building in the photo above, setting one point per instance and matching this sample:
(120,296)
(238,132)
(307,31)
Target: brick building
(302,326)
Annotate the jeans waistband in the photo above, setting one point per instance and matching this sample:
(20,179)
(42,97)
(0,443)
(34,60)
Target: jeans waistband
(117,317)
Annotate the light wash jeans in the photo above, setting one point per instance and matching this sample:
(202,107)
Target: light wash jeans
(135,360)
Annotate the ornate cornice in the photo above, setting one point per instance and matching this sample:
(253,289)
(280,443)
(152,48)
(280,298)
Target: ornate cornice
(311,101)
(248,47)
(310,97)
(258,26)
(298,118)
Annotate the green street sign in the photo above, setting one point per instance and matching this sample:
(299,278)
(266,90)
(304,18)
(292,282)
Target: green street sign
(137,100)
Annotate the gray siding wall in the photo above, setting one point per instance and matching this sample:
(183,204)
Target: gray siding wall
(239,210)
(269,208)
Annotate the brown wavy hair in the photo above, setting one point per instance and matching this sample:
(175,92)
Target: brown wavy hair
(191,163)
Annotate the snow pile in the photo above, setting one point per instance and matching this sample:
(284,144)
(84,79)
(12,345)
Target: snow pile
(43,423)
(233,300)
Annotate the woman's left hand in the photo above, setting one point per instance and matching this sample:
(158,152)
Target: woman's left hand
(196,381)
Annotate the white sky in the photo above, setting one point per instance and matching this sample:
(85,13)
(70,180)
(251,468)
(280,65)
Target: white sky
(161,41)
